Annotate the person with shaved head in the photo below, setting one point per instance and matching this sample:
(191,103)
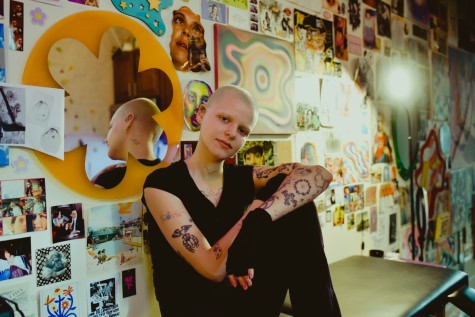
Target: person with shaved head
(132,130)
(230,240)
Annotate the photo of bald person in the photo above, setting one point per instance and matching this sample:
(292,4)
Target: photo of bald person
(132,130)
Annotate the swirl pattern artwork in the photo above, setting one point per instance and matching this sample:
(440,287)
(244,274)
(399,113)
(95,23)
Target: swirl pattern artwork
(264,66)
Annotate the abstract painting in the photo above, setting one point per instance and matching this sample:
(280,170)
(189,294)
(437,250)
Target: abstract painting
(264,66)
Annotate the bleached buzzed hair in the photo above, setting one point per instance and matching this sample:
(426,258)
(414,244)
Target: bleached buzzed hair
(244,95)
(144,109)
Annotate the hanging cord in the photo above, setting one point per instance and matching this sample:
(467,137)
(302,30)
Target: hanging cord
(5,301)
(421,220)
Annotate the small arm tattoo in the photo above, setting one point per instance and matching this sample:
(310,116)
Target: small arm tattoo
(302,187)
(321,182)
(289,198)
(170,215)
(190,242)
(218,252)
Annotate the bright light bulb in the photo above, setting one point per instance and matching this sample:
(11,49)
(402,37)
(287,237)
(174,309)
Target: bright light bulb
(400,83)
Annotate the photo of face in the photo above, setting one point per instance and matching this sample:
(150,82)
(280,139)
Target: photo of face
(196,94)
(185,25)
(37,222)
(254,156)
(14,225)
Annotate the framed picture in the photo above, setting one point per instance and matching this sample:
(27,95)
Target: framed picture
(263,65)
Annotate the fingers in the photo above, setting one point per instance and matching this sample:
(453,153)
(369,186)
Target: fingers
(244,281)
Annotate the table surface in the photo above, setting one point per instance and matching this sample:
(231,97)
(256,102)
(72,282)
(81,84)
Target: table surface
(374,287)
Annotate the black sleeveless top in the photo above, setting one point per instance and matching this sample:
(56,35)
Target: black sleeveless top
(180,290)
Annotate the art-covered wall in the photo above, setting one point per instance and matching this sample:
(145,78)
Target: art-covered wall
(324,75)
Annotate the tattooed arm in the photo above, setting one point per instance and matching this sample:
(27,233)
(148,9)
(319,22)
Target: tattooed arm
(302,185)
(186,238)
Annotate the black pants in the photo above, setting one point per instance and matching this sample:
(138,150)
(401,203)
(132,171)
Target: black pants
(293,260)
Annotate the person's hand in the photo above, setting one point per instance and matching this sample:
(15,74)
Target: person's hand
(243,251)
(244,281)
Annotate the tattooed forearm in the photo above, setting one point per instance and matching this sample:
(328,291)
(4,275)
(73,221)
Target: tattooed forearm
(302,187)
(289,198)
(190,242)
(265,172)
(321,183)
(269,202)
(302,171)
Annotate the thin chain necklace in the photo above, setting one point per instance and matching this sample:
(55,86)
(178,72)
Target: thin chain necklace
(212,195)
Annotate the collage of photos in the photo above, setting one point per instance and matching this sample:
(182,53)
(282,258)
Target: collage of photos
(23,206)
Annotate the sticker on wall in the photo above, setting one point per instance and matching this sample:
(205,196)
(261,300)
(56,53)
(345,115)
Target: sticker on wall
(60,301)
(129,283)
(53,264)
(33,117)
(38,16)
(20,164)
(148,11)
(102,298)
(16,260)
(114,238)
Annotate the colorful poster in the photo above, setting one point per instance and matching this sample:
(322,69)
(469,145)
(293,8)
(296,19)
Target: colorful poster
(264,66)
(114,238)
(60,301)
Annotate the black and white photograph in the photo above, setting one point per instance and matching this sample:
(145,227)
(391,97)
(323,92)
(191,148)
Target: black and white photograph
(103,298)
(53,264)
